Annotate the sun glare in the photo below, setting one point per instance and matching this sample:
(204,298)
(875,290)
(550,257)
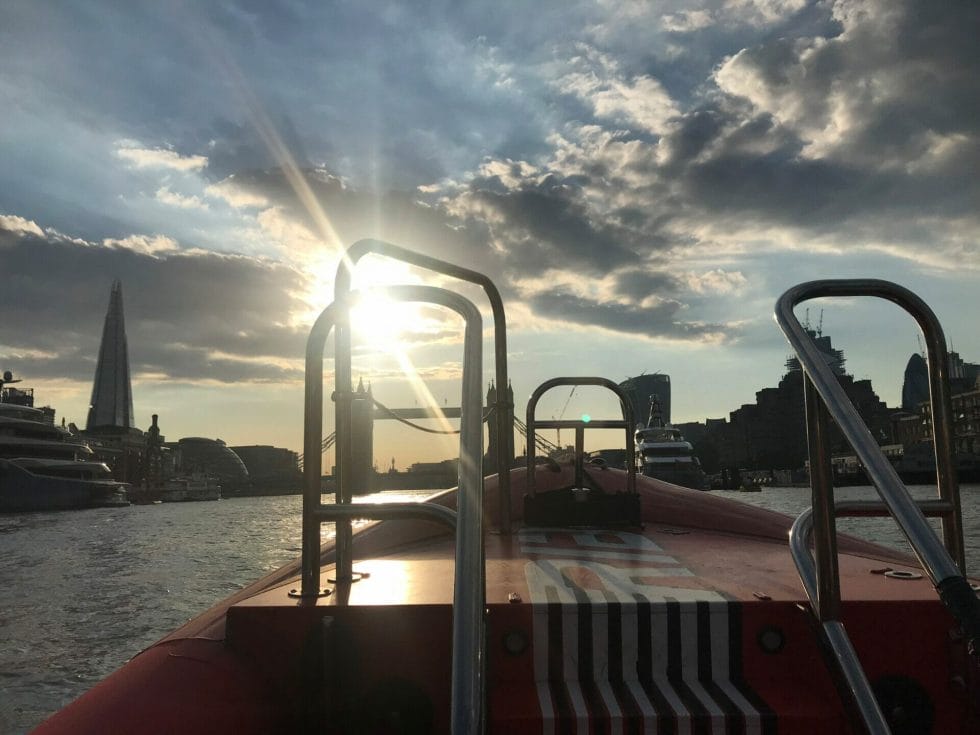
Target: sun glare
(378,320)
(374,271)
(382,323)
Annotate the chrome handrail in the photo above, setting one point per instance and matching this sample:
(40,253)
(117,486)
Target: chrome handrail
(800,536)
(579,426)
(943,561)
(505,408)
(801,532)
(469,587)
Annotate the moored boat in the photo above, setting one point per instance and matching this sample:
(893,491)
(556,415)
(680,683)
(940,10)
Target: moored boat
(664,453)
(42,467)
(190,488)
(595,600)
(29,484)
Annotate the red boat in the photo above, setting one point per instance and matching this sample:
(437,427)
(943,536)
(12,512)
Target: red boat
(575,598)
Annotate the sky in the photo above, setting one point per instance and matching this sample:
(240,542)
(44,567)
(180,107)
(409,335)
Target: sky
(641,180)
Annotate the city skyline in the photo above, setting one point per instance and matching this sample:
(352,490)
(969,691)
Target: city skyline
(641,180)
(568,400)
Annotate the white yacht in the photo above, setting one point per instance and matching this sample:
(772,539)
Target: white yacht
(41,466)
(664,453)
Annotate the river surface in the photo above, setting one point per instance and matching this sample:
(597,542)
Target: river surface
(82,592)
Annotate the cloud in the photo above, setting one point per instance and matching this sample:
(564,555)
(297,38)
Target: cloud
(637,284)
(633,100)
(717,281)
(758,13)
(686,21)
(803,140)
(659,320)
(844,140)
(544,223)
(190,315)
(152,246)
(13,223)
(181,201)
(635,167)
(897,83)
(533,230)
(159,158)
(353,214)
(239,197)
(762,12)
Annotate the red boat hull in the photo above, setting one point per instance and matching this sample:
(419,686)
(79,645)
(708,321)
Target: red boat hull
(696,622)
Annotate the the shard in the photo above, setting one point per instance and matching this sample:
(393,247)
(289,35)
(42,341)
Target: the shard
(112,394)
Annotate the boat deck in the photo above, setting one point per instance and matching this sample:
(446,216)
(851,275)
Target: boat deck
(665,628)
(695,622)
(662,563)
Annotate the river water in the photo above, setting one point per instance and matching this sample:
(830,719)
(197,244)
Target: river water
(82,592)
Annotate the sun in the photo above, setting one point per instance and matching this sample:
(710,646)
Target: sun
(379,321)
(383,323)
(379,324)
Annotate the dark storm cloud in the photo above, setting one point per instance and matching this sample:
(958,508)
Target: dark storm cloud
(776,186)
(189,314)
(694,132)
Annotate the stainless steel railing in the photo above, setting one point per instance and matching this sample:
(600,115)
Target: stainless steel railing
(943,560)
(469,592)
(626,423)
(504,413)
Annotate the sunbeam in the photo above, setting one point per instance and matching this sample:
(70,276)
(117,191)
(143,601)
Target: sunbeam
(216,50)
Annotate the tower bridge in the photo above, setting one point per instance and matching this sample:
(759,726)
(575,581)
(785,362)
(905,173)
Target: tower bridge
(365,410)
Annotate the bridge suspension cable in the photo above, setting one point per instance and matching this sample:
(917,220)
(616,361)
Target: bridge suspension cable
(329,440)
(392,415)
(324,446)
(539,441)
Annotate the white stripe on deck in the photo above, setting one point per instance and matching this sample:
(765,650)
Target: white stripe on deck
(569,634)
(689,666)
(720,668)
(586,554)
(539,615)
(600,667)
(659,660)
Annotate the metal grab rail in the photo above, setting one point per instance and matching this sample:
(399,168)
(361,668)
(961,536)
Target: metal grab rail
(469,590)
(943,560)
(800,536)
(505,409)
(579,426)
